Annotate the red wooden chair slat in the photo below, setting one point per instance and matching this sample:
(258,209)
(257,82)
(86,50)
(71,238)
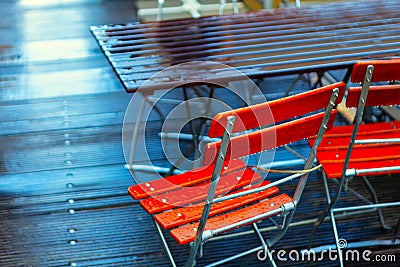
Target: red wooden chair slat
(175,182)
(186,233)
(184,215)
(268,138)
(334,145)
(339,136)
(362,153)
(377,96)
(274,111)
(187,195)
(384,70)
(340,141)
(363,157)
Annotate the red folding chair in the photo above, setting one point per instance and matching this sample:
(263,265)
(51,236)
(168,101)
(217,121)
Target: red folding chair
(363,150)
(226,193)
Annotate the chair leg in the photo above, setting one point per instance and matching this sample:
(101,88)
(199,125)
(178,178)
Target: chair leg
(264,245)
(171,259)
(375,200)
(283,229)
(332,218)
(298,78)
(397,231)
(235,7)
(337,240)
(135,133)
(222,4)
(160,9)
(320,74)
(322,217)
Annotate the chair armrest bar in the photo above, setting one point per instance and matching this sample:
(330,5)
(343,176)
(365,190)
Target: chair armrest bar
(149,168)
(365,207)
(381,140)
(355,172)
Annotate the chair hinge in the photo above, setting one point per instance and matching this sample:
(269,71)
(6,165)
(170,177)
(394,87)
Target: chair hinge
(207,235)
(350,172)
(287,207)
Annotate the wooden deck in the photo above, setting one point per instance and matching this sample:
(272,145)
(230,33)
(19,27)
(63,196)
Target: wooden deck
(63,187)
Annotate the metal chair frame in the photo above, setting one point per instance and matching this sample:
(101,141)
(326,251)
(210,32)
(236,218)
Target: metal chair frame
(392,66)
(225,151)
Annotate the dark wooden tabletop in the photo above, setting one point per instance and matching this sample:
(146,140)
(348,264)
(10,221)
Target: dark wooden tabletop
(260,44)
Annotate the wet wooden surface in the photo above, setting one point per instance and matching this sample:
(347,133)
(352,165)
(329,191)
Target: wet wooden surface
(63,187)
(260,44)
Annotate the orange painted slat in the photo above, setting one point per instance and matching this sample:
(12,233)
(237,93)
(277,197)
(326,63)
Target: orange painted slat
(361,153)
(184,215)
(384,95)
(339,136)
(187,195)
(187,233)
(276,110)
(384,70)
(175,182)
(334,145)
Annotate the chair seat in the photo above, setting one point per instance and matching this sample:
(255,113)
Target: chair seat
(187,233)
(175,182)
(182,205)
(332,150)
(188,195)
(188,214)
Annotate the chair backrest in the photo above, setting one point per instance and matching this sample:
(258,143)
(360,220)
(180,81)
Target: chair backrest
(367,72)
(378,95)
(384,70)
(383,95)
(272,117)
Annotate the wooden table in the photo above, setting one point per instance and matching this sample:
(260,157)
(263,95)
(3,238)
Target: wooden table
(260,44)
